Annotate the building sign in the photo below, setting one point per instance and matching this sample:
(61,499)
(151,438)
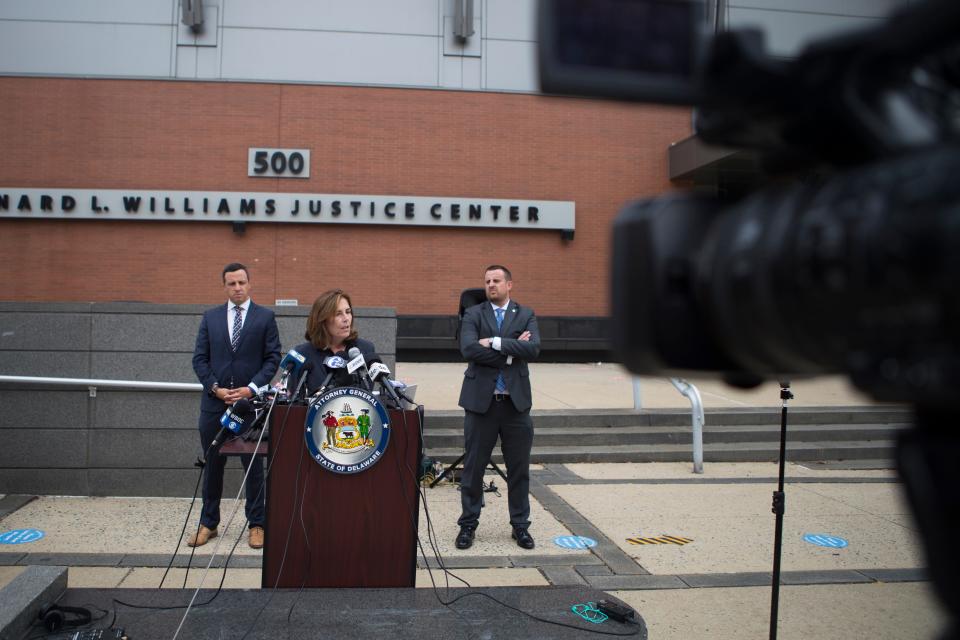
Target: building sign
(278,163)
(119,204)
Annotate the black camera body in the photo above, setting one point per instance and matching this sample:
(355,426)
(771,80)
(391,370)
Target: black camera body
(856,274)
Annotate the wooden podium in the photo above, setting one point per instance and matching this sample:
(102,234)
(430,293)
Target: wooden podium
(326,529)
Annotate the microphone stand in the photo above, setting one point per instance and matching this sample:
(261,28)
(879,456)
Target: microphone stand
(253,433)
(388,390)
(327,384)
(290,399)
(778,508)
(300,383)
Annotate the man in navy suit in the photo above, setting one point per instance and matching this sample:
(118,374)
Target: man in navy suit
(238,350)
(497,337)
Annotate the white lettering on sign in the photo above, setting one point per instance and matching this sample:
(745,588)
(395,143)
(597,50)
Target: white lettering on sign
(311,208)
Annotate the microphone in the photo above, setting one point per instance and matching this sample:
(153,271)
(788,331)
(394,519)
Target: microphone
(357,363)
(307,368)
(380,372)
(292,359)
(290,366)
(234,420)
(333,365)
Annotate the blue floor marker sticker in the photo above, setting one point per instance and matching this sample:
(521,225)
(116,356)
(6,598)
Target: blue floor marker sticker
(574,542)
(19,536)
(822,540)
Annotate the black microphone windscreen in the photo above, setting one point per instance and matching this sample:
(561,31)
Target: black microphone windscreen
(343,378)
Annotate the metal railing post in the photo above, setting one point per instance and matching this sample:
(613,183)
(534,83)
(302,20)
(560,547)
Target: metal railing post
(697,417)
(637,403)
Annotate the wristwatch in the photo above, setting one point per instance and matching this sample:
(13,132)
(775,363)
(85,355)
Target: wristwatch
(213,389)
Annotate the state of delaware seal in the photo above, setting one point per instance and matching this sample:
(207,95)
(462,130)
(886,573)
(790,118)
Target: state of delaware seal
(347,430)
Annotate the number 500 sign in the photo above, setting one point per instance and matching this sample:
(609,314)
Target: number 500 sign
(278,163)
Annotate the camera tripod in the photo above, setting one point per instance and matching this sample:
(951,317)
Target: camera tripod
(778,508)
(457,463)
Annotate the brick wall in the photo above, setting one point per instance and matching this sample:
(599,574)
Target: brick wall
(164,135)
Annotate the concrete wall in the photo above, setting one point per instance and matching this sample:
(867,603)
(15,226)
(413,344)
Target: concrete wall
(69,441)
(366,42)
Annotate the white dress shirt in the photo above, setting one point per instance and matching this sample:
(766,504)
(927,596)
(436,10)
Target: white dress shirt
(495,340)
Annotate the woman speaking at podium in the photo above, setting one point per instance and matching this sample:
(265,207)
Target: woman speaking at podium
(330,333)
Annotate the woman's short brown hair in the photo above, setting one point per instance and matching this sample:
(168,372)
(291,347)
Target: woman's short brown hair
(324,308)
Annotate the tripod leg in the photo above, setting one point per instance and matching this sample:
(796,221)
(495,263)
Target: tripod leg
(446,471)
(497,469)
(779,499)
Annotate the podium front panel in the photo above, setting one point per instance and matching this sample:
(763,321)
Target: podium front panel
(326,529)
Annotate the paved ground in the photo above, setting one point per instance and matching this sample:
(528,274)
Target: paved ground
(716,584)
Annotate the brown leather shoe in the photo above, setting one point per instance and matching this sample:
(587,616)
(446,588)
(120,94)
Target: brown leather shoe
(201,537)
(256,537)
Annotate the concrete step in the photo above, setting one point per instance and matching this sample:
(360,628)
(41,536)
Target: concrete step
(618,436)
(861,465)
(834,435)
(877,451)
(580,418)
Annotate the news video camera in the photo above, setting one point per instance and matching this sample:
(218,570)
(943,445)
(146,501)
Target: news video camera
(846,262)
(844,258)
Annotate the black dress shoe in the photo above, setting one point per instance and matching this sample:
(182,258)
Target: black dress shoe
(465,538)
(523,538)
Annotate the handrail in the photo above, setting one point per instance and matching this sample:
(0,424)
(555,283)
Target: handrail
(696,410)
(93,383)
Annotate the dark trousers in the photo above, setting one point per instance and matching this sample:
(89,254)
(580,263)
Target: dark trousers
(515,429)
(213,478)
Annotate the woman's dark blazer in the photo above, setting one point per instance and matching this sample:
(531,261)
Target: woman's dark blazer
(341,379)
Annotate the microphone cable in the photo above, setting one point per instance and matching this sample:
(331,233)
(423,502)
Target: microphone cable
(213,555)
(200,463)
(302,492)
(448,573)
(270,463)
(268,412)
(431,532)
(186,521)
(289,527)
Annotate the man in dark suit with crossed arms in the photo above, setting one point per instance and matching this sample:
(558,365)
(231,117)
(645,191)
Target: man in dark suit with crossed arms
(497,338)
(237,351)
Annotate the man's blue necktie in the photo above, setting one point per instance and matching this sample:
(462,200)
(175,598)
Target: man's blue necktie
(237,325)
(501,385)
